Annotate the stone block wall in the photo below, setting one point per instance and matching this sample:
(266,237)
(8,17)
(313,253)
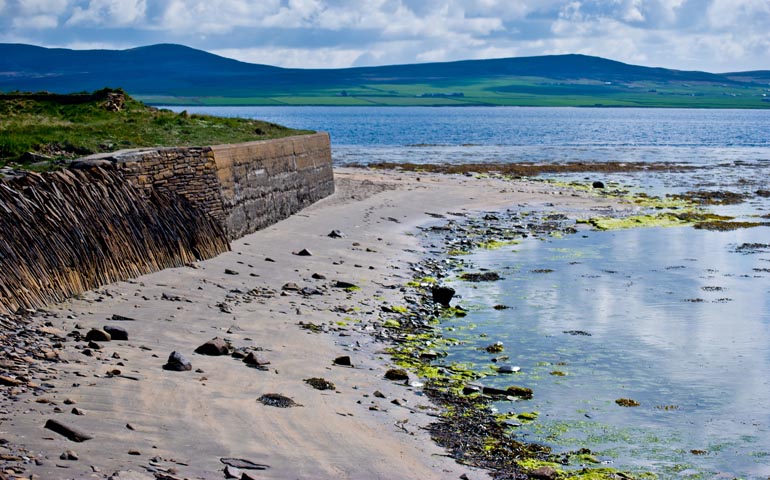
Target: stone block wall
(264,182)
(243,186)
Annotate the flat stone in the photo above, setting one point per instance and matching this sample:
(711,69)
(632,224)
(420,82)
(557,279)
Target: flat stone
(66,431)
(256,360)
(232,472)
(243,464)
(177,363)
(121,318)
(508,369)
(116,333)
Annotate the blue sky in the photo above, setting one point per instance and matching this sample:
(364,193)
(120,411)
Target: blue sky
(711,35)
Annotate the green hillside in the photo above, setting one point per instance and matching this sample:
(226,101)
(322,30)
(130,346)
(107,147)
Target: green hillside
(178,75)
(42,130)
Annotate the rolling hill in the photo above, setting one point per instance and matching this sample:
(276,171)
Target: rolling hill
(175,74)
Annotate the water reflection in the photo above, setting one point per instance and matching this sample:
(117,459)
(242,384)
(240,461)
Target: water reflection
(679,321)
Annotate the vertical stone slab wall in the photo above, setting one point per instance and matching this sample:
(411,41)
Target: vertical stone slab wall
(264,182)
(188,172)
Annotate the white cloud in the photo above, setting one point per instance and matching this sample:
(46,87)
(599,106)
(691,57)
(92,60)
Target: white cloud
(109,13)
(215,16)
(294,57)
(41,7)
(36,22)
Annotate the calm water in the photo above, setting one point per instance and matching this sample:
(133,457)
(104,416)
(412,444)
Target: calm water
(679,320)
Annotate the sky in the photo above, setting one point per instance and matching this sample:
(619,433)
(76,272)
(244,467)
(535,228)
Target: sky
(709,35)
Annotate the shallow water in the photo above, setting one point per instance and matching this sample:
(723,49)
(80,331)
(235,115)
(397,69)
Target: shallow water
(678,321)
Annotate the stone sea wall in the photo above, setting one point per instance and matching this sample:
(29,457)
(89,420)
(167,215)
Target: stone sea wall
(244,186)
(116,216)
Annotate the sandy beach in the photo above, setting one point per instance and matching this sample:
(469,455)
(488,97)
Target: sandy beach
(147,422)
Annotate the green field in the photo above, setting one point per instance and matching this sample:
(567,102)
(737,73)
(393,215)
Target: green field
(40,131)
(514,91)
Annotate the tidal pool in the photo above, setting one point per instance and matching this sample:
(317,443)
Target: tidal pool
(676,319)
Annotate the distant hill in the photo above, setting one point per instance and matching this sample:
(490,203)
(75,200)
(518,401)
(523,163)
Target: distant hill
(175,74)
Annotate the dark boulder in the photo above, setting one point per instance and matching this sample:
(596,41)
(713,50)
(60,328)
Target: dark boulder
(442,295)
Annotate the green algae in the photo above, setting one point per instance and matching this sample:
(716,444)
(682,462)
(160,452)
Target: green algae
(496,244)
(422,282)
(391,324)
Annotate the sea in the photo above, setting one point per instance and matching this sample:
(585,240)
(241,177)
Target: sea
(676,319)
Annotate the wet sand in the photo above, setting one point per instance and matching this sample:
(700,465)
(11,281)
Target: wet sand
(152,421)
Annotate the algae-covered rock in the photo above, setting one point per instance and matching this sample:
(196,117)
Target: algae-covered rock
(521,392)
(627,402)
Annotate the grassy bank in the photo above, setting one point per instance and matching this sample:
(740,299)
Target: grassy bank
(41,130)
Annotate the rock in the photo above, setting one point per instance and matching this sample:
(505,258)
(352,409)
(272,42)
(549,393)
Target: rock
(243,464)
(378,394)
(319,276)
(290,286)
(343,361)
(230,272)
(471,389)
(493,391)
(131,475)
(481,277)
(9,382)
(277,400)
(98,335)
(134,452)
(442,295)
(177,363)
(544,473)
(214,347)
(308,291)
(68,432)
(69,455)
(256,360)
(496,347)
(397,374)
(320,383)
(521,392)
(232,472)
(77,411)
(508,369)
(303,253)
(343,284)
(336,234)
(121,318)
(598,184)
(116,333)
